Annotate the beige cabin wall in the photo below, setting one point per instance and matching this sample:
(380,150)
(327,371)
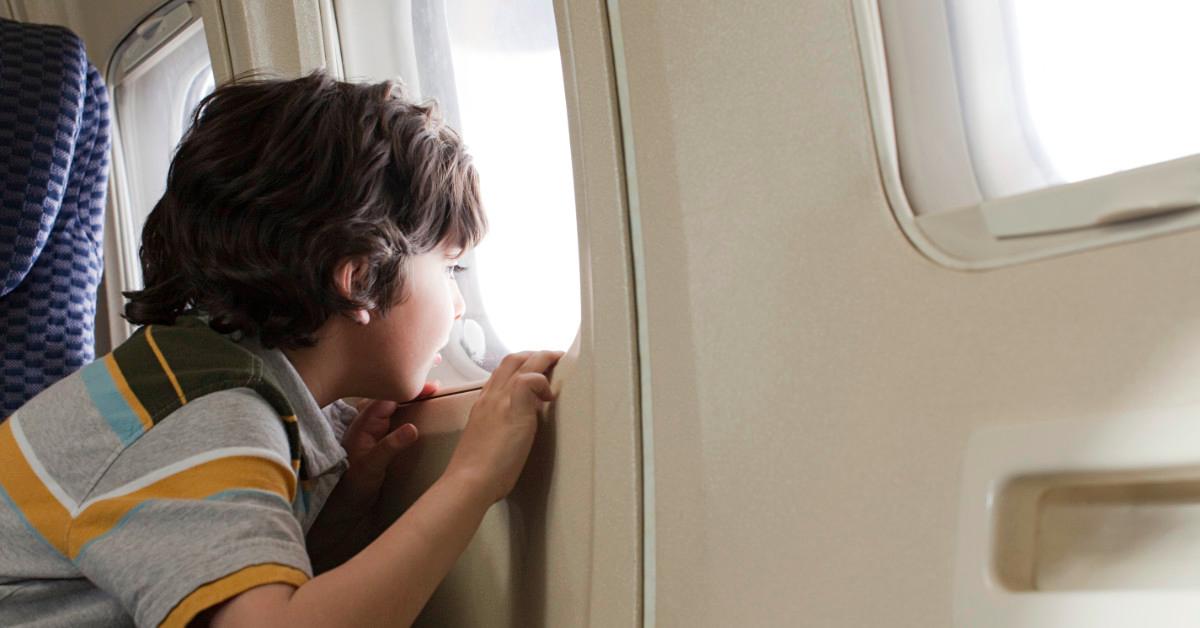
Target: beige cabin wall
(283,38)
(102,25)
(814,377)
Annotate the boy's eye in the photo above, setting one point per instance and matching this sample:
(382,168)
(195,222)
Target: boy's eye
(455,269)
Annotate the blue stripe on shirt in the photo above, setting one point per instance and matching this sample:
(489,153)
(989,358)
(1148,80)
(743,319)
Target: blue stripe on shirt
(226,495)
(111,403)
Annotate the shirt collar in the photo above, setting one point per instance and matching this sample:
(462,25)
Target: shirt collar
(319,428)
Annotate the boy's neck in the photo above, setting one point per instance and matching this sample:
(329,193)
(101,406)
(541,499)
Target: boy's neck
(321,366)
(308,366)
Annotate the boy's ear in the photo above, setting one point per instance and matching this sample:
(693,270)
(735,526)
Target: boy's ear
(345,274)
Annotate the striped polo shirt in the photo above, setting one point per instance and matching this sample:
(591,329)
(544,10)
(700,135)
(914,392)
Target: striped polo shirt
(170,475)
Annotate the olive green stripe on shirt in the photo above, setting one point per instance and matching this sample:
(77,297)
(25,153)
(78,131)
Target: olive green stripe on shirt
(190,349)
(145,376)
(165,366)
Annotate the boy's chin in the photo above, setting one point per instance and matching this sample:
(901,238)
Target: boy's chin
(413,390)
(402,393)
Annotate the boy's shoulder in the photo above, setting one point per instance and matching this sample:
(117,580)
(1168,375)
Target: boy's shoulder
(169,392)
(132,461)
(166,366)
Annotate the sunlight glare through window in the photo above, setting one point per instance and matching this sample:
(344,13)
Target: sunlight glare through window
(514,122)
(1109,86)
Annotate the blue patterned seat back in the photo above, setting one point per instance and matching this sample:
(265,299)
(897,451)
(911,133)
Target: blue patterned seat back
(54,143)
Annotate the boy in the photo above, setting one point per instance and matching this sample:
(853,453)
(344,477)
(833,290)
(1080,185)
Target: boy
(303,252)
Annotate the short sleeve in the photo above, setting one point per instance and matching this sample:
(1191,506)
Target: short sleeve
(195,512)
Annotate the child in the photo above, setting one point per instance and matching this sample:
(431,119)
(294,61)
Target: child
(304,251)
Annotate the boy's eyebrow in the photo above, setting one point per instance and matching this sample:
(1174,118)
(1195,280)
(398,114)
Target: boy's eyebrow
(454,253)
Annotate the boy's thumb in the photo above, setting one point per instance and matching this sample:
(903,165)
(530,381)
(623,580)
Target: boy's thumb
(402,437)
(386,450)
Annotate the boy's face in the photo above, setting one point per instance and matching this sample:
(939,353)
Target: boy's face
(412,333)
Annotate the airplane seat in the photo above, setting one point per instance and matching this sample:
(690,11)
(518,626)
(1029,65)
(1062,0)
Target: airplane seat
(54,144)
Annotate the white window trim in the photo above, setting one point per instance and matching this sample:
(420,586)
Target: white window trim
(122,266)
(961,238)
(185,22)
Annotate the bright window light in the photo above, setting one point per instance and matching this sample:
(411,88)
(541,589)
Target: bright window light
(1109,86)
(514,121)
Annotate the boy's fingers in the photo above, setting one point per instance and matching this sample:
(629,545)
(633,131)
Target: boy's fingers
(371,420)
(377,460)
(507,367)
(537,385)
(403,436)
(523,362)
(540,362)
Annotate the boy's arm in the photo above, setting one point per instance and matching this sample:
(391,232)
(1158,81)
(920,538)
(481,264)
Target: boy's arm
(351,516)
(389,582)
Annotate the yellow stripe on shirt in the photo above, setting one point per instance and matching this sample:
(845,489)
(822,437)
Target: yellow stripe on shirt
(198,482)
(165,367)
(230,586)
(122,385)
(29,494)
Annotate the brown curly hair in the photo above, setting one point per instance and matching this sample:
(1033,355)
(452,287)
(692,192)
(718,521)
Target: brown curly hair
(277,182)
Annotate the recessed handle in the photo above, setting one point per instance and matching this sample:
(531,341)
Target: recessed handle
(1080,523)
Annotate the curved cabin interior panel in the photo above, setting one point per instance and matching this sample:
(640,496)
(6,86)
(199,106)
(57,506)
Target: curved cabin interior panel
(875,313)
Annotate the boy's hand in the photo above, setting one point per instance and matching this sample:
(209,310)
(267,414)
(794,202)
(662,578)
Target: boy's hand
(499,433)
(371,447)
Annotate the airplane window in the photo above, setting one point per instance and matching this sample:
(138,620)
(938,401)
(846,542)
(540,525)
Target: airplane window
(494,68)
(159,73)
(1046,95)
(1014,130)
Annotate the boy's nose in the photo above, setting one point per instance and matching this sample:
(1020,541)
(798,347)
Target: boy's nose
(460,306)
